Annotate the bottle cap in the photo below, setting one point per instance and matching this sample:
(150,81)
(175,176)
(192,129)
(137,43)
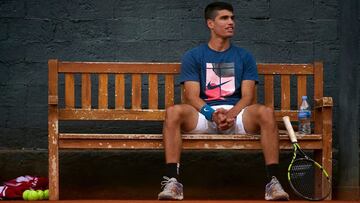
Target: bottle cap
(304,97)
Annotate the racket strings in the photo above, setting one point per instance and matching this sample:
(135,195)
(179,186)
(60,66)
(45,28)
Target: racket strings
(302,178)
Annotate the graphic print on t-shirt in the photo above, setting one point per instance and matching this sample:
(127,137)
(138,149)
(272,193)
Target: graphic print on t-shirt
(220,80)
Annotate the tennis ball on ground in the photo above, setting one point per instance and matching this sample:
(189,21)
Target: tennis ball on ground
(25,194)
(46,194)
(33,195)
(41,194)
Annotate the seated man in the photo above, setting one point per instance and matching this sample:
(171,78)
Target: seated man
(219,80)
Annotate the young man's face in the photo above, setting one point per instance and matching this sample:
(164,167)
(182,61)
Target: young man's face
(223,25)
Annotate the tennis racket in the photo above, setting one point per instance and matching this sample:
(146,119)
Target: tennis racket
(302,171)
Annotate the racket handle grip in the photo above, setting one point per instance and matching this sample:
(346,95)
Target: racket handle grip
(290,129)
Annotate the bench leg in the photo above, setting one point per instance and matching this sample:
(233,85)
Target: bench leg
(53,175)
(53,160)
(53,129)
(323,125)
(320,157)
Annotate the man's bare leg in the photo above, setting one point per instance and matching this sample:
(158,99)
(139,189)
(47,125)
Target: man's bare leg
(178,117)
(259,118)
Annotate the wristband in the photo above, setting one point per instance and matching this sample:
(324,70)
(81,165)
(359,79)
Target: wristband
(207,111)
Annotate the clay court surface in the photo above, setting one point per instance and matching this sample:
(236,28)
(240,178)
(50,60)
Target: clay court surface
(184,201)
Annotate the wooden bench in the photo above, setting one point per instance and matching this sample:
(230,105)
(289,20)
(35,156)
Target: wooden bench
(275,85)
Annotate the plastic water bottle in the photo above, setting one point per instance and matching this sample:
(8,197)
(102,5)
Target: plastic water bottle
(304,117)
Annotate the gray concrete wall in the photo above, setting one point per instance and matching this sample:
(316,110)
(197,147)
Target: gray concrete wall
(348,114)
(34,31)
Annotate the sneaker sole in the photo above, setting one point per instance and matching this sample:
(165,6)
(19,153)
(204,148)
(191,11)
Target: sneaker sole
(169,197)
(280,198)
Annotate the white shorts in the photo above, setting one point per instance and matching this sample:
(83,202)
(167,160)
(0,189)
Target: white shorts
(207,127)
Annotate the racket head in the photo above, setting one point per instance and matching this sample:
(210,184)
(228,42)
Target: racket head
(301,175)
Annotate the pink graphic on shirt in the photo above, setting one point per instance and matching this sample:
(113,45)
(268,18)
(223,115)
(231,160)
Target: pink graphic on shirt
(220,81)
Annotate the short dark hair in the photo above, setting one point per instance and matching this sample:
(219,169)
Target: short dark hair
(211,9)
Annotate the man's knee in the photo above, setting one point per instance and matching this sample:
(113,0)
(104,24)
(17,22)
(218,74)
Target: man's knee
(173,113)
(266,113)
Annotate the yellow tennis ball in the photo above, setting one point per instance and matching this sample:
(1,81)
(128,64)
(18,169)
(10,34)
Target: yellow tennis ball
(46,194)
(25,194)
(41,194)
(33,195)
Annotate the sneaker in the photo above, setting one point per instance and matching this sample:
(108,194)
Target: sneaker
(274,191)
(172,189)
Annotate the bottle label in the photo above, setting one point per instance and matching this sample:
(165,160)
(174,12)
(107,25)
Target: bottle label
(304,114)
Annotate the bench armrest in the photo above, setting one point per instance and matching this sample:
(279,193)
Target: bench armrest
(53,100)
(323,108)
(323,102)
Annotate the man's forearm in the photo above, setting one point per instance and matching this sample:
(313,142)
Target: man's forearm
(196,102)
(191,94)
(240,105)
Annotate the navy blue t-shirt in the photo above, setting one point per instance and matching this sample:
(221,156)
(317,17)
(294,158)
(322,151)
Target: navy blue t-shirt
(219,73)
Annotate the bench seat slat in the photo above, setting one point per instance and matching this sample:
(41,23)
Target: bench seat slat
(282,136)
(154,141)
(187,144)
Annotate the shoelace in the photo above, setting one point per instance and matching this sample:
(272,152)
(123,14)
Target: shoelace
(171,185)
(273,182)
(165,182)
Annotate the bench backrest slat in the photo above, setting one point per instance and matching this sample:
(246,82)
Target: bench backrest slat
(285,92)
(153,91)
(301,88)
(136,91)
(119,91)
(86,91)
(118,67)
(103,91)
(318,80)
(285,69)
(154,73)
(169,90)
(69,91)
(269,90)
